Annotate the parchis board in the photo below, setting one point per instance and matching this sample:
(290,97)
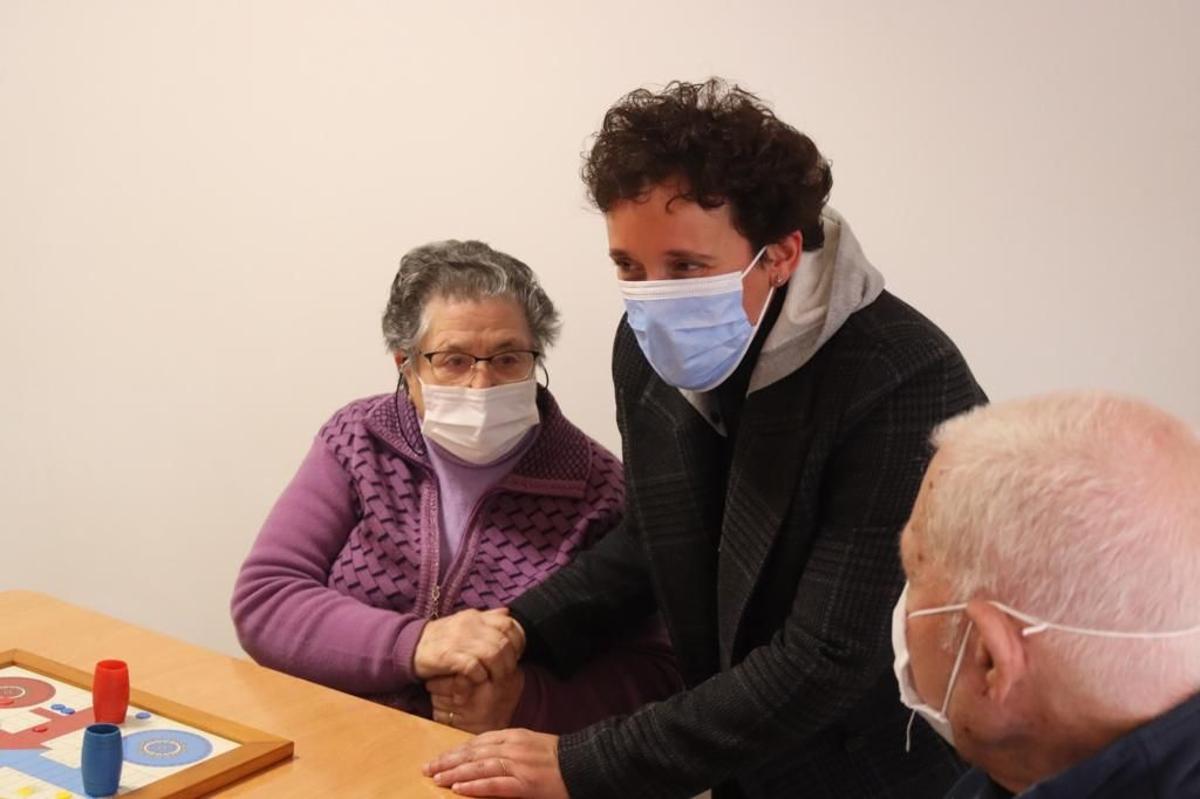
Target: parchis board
(170,750)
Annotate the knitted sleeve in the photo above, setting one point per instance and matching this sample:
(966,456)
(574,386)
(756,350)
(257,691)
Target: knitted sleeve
(286,615)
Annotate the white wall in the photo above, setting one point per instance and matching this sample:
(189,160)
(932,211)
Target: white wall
(202,206)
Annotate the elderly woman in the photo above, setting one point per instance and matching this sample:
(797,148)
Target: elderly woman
(417,516)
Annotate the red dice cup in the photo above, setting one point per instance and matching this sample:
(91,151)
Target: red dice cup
(110,691)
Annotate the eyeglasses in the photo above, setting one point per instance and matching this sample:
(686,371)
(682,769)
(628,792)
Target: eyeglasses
(511,366)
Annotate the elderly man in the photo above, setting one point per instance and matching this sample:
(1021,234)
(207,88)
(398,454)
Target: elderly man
(1049,628)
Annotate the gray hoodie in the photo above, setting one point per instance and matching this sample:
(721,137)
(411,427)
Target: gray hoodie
(828,285)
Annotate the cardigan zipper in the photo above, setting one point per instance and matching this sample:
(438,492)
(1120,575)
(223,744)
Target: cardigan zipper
(458,561)
(431,545)
(434,611)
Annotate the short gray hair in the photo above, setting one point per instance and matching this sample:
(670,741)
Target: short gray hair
(1081,508)
(462,270)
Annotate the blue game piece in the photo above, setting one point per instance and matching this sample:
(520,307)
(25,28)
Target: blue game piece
(143,715)
(68,711)
(57,707)
(102,759)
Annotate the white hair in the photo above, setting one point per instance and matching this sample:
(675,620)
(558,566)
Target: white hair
(1081,509)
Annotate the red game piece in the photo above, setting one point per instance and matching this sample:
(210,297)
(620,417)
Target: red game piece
(110,691)
(41,728)
(5,701)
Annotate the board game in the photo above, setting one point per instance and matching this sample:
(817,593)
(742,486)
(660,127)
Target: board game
(170,750)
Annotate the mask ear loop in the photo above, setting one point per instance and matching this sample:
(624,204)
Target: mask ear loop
(962,651)
(775,282)
(545,373)
(1037,626)
(758,257)
(401,385)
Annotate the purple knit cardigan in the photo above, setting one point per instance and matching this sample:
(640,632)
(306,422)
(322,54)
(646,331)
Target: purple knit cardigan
(344,575)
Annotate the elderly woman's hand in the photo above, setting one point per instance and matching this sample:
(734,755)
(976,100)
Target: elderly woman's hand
(489,705)
(480,645)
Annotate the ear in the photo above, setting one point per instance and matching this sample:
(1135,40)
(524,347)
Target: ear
(407,373)
(999,652)
(783,256)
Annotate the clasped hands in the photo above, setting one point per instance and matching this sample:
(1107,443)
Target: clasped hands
(469,663)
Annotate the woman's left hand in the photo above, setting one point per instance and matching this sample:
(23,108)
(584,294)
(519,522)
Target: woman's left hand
(507,763)
(490,705)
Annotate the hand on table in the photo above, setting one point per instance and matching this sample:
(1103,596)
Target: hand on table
(473,707)
(507,763)
(480,645)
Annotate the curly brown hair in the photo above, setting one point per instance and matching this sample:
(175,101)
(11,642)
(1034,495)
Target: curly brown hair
(724,145)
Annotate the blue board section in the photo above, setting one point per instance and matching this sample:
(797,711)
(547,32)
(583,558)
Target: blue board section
(166,748)
(31,762)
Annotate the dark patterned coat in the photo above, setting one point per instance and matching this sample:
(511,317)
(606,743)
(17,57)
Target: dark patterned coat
(775,569)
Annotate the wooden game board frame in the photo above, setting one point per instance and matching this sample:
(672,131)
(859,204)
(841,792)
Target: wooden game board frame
(256,749)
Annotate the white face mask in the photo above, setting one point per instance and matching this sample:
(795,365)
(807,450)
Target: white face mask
(479,425)
(936,717)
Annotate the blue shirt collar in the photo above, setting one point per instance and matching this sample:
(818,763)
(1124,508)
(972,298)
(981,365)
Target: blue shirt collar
(1160,758)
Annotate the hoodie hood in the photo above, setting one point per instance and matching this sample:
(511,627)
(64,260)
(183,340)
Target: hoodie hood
(828,285)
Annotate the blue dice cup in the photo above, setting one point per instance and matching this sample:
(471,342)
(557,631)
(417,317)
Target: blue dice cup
(103,755)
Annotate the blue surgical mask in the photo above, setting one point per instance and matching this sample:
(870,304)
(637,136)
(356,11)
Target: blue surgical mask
(694,332)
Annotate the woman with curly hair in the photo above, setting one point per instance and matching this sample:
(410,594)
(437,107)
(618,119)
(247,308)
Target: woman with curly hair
(775,404)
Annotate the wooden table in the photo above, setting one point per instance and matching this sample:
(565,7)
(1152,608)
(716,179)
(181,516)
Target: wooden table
(345,746)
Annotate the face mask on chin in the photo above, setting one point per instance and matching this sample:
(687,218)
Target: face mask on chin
(479,425)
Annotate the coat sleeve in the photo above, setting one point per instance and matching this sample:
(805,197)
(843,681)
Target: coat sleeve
(288,618)
(600,598)
(588,605)
(632,673)
(639,666)
(833,645)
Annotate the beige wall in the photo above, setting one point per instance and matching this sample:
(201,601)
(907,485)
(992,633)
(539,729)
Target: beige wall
(202,205)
